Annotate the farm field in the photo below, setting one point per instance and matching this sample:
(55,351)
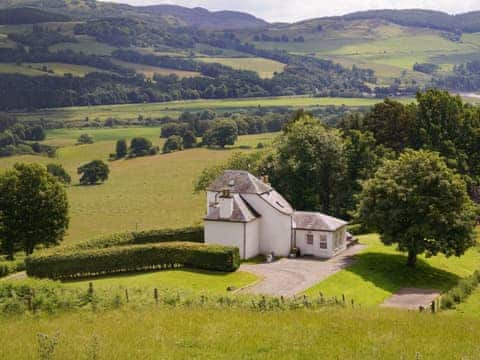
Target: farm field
(380,271)
(144,193)
(264,67)
(35,69)
(149,71)
(180,333)
(85,44)
(173,108)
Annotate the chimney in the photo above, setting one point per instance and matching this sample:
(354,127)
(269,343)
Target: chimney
(226,204)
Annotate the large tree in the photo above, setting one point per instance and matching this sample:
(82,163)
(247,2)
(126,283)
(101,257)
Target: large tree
(93,172)
(221,133)
(419,203)
(33,209)
(309,165)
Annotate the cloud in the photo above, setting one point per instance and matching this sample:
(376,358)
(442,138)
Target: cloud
(294,10)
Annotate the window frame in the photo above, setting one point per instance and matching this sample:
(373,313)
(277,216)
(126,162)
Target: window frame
(310,239)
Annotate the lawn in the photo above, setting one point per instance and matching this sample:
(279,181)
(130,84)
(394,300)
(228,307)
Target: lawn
(212,333)
(174,108)
(469,308)
(145,193)
(264,67)
(380,271)
(183,280)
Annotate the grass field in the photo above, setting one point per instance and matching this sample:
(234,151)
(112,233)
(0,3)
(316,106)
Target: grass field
(132,111)
(145,193)
(149,71)
(35,69)
(264,67)
(380,271)
(183,280)
(191,333)
(86,44)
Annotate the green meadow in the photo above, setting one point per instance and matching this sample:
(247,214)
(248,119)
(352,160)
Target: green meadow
(145,193)
(264,67)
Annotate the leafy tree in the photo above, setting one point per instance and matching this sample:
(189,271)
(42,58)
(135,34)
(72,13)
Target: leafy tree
(170,129)
(85,139)
(121,149)
(309,166)
(140,146)
(36,133)
(189,139)
(420,204)
(93,173)
(33,209)
(221,133)
(59,173)
(173,143)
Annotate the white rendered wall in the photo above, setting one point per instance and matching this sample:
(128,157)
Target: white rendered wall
(275,227)
(252,239)
(224,233)
(315,250)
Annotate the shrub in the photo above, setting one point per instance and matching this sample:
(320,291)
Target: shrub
(461,291)
(10,267)
(59,172)
(140,146)
(85,139)
(121,149)
(94,172)
(189,139)
(173,143)
(74,264)
(170,129)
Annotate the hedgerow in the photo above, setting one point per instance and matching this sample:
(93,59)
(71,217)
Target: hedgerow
(461,291)
(187,234)
(95,262)
(10,267)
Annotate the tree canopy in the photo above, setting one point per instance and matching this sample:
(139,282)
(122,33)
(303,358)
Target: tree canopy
(420,204)
(93,172)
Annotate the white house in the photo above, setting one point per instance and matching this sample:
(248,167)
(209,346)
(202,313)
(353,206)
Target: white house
(246,212)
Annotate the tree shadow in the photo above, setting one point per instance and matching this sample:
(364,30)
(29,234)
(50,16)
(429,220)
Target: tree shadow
(389,272)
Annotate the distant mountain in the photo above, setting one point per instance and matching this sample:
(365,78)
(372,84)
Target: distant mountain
(203,18)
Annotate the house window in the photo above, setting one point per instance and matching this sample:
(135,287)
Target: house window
(309,239)
(323,242)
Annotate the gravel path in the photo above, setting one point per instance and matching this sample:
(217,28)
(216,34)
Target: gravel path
(411,298)
(288,277)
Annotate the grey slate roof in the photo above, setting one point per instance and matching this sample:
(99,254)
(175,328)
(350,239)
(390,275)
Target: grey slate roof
(241,182)
(242,212)
(316,221)
(278,202)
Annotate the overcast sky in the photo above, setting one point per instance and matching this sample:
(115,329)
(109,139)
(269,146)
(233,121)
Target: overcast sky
(293,10)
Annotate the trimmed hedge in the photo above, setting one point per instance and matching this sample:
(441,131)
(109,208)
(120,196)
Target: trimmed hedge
(188,234)
(132,258)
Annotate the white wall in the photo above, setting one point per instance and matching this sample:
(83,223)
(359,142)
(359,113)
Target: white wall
(252,236)
(275,227)
(333,248)
(224,233)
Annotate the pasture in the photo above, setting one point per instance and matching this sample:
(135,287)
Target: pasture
(380,271)
(35,69)
(264,67)
(174,108)
(149,71)
(143,193)
(215,333)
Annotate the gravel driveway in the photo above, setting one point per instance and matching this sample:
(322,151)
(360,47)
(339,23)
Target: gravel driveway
(288,277)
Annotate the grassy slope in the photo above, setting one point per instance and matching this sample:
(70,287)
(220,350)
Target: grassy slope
(196,281)
(149,71)
(132,111)
(264,67)
(145,193)
(380,271)
(178,333)
(34,69)
(471,307)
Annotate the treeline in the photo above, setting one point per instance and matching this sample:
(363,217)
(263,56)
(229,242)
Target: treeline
(468,22)
(27,15)
(465,77)
(40,37)
(21,138)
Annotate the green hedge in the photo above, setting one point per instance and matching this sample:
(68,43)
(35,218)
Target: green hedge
(188,234)
(112,260)
(461,291)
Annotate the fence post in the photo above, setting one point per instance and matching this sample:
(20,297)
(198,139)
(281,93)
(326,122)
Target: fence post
(155,295)
(353,303)
(343,299)
(126,295)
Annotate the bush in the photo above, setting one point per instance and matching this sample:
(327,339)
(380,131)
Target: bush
(10,267)
(188,234)
(59,172)
(121,149)
(96,262)
(94,172)
(461,292)
(140,146)
(173,143)
(189,140)
(85,139)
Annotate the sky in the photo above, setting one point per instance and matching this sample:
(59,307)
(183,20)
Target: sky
(295,10)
